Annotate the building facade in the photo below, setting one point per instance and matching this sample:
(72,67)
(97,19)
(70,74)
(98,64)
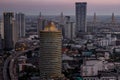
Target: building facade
(50,52)
(69,28)
(15,31)
(81,10)
(8,30)
(20,24)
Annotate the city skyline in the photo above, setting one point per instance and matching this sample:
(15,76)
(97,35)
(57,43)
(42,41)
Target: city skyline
(54,7)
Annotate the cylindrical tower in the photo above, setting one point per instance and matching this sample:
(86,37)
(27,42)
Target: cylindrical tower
(50,52)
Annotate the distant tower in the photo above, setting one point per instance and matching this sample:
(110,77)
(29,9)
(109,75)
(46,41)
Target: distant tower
(39,27)
(72,33)
(20,24)
(94,23)
(8,30)
(62,24)
(81,9)
(69,28)
(50,52)
(94,18)
(15,32)
(41,23)
(61,18)
(113,18)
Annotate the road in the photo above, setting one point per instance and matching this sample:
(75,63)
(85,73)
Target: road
(8,70)
(5,68)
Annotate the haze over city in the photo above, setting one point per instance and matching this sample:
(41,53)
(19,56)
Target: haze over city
(54,7)
(59,39)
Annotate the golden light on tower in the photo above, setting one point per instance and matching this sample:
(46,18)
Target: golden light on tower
(50,27)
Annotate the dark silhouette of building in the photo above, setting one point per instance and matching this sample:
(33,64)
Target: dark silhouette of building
(81,10)
(8,30)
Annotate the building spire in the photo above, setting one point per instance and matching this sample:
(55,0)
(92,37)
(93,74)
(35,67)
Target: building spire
(61,18)
(113,18)
(94,18)
(40,14)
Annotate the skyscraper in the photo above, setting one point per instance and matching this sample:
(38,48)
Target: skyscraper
(39,26)
(41,23)
(81,8)
(69,28)
(8,30)
(20,24)
(62,24)
(15,32)
(50,52)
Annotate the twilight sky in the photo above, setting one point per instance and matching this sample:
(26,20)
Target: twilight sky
(51,7)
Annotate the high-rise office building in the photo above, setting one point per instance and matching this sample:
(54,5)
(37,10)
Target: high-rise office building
(69,28)
(15,32)
(8,30)
(50,52)
(20,24)
(81,10)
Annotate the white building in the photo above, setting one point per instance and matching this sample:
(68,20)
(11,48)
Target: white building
(20,23)
(91,67)
(107,41)
(69,28)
